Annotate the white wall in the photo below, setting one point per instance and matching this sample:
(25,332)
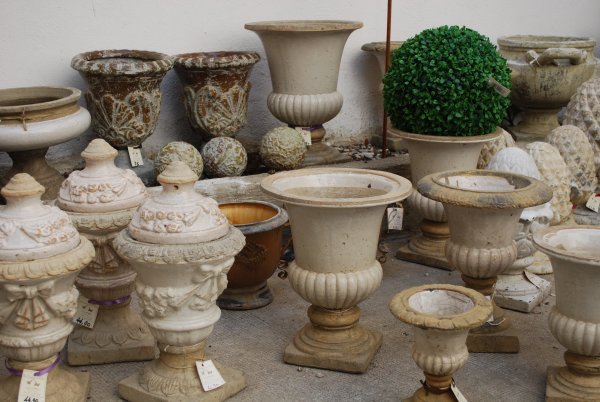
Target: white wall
(39,38)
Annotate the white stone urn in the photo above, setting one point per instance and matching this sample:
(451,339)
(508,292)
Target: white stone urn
(181,246)
(33,119)
(432,154)
(304,60)
(100,200)
(41,253)
(483,209)
(575,319)
(441,317)
(335,216)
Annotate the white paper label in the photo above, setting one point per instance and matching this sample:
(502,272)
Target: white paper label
(305,136)
(32,388)
(209,375)
(395,216)
(491,319)
(86,314)
(457,394)
(534,279)
(593,203)
(135,156)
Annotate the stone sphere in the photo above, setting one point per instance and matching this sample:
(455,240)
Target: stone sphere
(282,148)
(224,157)
(178,151)
(491,148)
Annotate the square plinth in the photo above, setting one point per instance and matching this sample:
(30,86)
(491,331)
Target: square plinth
(504,342)
(524,303)
(63,385)
(406,254)
(140,350)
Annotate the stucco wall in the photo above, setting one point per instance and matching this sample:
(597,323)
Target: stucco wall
(39,38)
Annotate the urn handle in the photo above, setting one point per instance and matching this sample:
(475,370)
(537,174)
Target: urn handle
(553,54)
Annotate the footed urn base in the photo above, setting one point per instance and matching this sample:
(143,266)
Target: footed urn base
(579,381)
(434,389)
(320,153)
(335,341)
(428,248)
(245,298)
(535,124)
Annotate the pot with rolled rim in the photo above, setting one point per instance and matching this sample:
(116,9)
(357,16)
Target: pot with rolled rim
(335,217)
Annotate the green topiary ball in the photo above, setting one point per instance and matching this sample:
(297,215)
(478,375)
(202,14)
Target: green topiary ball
(437,83)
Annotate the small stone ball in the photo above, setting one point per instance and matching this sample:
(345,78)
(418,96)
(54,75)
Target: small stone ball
(178,151)
(282,148)
(224,157)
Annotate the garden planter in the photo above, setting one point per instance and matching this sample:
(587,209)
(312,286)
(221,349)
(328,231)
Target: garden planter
(304,60)
(261,222)
(335,217)
(33,119)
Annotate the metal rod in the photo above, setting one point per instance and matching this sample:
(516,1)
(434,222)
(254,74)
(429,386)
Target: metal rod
(387,64)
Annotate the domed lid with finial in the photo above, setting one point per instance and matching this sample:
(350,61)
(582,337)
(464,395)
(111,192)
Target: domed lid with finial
(178,214)
(101,186)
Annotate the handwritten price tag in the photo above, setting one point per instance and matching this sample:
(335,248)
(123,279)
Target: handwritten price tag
(135,156)
(86,314)
(594,203)
(32,388)
(457,394)
(395,216)
(209,375)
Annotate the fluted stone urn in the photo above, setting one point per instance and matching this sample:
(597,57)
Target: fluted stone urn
(181,246)
(335,216)
(483,209)
(100,200)
(41,253)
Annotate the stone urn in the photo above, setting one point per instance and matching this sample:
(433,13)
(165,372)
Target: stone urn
(546,71)
(483,209)
(432,154)
(41,253)
(575,319)
(335,216)
(216,87)
(100,200)
(32,120)
(181,246)
(441,317)
(261,222)
(304,60)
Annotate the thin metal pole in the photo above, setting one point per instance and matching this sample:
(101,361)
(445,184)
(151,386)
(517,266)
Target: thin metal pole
(387,64)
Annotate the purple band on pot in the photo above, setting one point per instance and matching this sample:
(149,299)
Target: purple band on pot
(19,373)
(113,302)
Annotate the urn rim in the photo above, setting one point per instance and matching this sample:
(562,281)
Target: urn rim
(544,41)
(548,241)
(472,139)
(379,47)
(275,221)
(303,25)
(215,60)
(17,101)
(146,62)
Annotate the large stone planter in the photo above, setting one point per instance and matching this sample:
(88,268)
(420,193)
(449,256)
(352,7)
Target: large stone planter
(432,154)
(335,217)
(304,60)
(33,119)
(546,72)
(575,319)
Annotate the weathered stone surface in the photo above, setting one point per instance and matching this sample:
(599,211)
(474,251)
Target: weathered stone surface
(282,148)
(178,151)
(224,157)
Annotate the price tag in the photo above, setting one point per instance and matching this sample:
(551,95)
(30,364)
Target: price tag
(534,279)
(209,375)
(305,136)
(86,314)
(594,203)
(457,394)
(135,156)
(491,319)
(32,388)
(395,216)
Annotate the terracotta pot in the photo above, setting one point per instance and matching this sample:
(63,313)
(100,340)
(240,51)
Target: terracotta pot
(575,319)
(33,119)
(335,217)
(261,222)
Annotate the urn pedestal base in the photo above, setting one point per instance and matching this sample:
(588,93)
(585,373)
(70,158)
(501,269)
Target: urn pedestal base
(535,124)
(245,298)
(579,382)
(521,292)
(335,341)
(428,248)
(435,389)
(322,154)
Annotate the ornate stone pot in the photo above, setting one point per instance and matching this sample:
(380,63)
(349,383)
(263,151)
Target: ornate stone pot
(41,253)
(441,317)
(483,209)
(261,222)
(181,247)
(546,71)
(335,216)
(33,119)
(216,87)
(432,154)
(100,200)
(575,319)
(304,60)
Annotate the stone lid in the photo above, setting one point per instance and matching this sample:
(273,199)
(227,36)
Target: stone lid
(215,60)
(178,214)
(122,62)
(30,230)
(101,186)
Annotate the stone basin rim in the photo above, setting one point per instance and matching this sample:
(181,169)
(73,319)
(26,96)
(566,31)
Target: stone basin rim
(544,41)
(446,138)
(541,240)
(64,96)
(277,220)
(380,46)
(303,25)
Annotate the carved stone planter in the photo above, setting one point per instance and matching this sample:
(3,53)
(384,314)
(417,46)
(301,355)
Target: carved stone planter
(441,317)
(216,87)
(261,222)
(335,216)
(304,60)
(33,119)
(575,319)
(100,200)
(41,253)
(483,209)
(181,247)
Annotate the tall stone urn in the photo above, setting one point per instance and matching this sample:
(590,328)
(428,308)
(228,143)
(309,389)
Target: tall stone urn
(216,87)
(335,216)
(100,200)
(575,319)
(181,247)
(441,317)
(483,209)
(304,60)
(33,119)
(41,253)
